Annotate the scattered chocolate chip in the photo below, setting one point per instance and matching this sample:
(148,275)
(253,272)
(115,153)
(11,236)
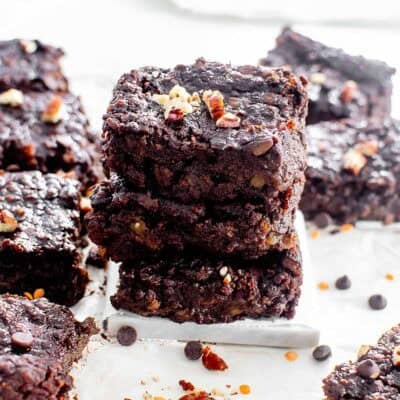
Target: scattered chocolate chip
(334,231)
(377,302)
(193,350)
(22,340)
(343,283)
(368,369)
(126,335)
(322,220)
(322,353)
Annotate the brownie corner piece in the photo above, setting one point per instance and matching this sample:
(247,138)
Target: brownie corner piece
(39,236)
(31,65)
(206,290)
(340,85)
(39,342)
(374,375)
(207,130)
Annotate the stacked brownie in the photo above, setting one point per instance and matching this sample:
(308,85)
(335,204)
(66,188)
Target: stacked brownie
(42,125)
(47,159)
(206,168)
(39,342)
(353,171)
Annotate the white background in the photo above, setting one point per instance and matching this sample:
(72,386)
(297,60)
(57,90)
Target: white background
(106,38)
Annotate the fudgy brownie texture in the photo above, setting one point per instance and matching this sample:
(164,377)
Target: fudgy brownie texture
(39,236)
(353,171)
(129,224)
(340,85)
(207,290)
(39,342)
(31,65)
(47,132)
(244,143)
(374,376)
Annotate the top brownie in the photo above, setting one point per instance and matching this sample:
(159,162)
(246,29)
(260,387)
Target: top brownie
(374,376)
(207,131)
(47,132)
(341,85)
(31,65)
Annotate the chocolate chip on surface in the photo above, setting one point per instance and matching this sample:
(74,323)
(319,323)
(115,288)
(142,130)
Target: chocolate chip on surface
(377,302)
(322,220)
(193,350)
(22,340)
(322,353)
(343,283)
(368,369)
(126,335)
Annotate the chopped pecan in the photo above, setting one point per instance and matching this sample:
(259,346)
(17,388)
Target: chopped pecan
(228,120)
(354,161)
(54,111)
(212,361)
(215,103)
(349,91)
(11,97)
(8,223)
(368,147)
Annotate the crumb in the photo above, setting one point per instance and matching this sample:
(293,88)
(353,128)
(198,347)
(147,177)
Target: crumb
(244,389)
(315,234)
(291,356)
(346,227)
(389,277)
(323,285)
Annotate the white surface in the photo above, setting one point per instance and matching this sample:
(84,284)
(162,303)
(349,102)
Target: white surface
(104,39)
(300,332)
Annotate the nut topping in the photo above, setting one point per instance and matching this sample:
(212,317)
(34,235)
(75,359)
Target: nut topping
(215,103)
(29,46)
(54,111)
(11,97)
(354,161)
(349,91)
(257,181)
(368,148)
(8,223)
(318,78)
(363,350)
(228,120)
(396,356)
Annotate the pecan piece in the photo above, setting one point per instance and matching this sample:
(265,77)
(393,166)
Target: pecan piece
(11,97)
(215,103)
(354,161)
(212,361)
(8,223)
(228,120)
(54,111)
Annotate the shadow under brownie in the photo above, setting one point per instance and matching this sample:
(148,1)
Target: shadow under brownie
(205,289)
(39,236)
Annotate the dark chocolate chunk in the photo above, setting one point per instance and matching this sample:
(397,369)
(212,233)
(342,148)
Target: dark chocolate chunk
(322,353)
(343,283)
(126,335)
(322,220)
(377,302)
(193,350)
(368,369)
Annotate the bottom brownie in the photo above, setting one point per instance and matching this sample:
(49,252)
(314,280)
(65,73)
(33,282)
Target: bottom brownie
(39,341)
(204,290)
(374,376)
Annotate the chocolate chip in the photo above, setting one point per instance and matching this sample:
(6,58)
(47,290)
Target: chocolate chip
(377,302)
(343,283)
(22,340)
(193,350)
(126,335)
(322,353)
(322,220)
(368,369)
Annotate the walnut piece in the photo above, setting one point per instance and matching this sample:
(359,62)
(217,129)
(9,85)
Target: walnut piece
(228,120)
(215,103)
(8,223)
(318,78)
(11,97)
(29,46)
(55,110)
(354,161)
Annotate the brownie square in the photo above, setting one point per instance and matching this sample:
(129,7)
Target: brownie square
(353,171)
(207,131)
(375,375)
(130,224)
(39,236)
(340,85)
(31,65)
(47,132)
(39,342)
(206,289)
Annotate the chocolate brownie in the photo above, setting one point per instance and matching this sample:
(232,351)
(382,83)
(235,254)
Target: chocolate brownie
(47,132)
(190,287)
(31,65)
(39,236)
(353,171)
(374,376)
(39,342)
(129,224)
(207,131)
(341,85)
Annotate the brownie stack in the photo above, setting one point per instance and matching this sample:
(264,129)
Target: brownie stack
(206,169)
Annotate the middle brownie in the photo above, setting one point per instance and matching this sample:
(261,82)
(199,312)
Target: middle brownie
(129,223)
(208,132)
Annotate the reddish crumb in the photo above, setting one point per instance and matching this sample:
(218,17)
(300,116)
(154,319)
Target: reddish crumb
(291,356)
(244,389)
(315,234)
(202,395)
(323,285)
(389,277)
(346,227)
(212,361)
(185,385)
